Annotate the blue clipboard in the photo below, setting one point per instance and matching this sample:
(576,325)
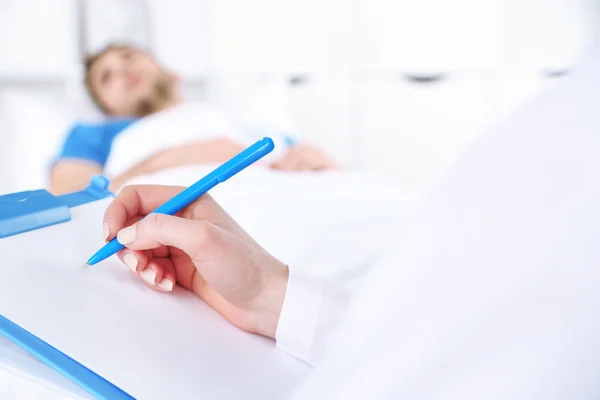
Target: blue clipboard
(26,211)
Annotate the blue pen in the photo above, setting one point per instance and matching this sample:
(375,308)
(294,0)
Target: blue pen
(244,159)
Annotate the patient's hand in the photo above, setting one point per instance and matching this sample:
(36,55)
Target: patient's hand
(202,152)
(304,158)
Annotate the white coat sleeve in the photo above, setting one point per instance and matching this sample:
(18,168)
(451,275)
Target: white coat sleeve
(312,309)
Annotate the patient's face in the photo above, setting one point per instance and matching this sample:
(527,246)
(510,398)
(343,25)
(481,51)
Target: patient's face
(129,82)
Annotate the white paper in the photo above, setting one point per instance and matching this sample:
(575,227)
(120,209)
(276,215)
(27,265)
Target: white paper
(152,345)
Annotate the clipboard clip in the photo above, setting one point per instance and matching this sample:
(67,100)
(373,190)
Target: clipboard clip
(35,209)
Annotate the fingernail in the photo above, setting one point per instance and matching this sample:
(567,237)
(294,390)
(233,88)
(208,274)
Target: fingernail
(106,230)
(166,284)
(149,276)
(126,235)
(131,261)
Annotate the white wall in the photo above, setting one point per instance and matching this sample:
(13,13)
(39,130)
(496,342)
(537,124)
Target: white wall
(355,54)
(491,53)
(36,45)
(182,35)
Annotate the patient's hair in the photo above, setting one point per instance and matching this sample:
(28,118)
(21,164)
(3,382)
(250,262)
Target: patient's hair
(89,62)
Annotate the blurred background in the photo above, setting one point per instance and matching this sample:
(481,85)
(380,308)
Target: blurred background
(394,87)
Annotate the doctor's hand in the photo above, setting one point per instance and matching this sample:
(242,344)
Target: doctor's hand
(203,250)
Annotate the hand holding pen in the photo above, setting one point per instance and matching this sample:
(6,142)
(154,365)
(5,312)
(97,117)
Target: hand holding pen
(203,250)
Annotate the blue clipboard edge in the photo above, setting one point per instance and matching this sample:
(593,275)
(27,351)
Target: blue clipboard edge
(55,210)
(82,376)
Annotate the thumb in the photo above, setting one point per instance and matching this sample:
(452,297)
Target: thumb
(157,230)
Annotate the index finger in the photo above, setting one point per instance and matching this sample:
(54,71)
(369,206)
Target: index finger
(133,201)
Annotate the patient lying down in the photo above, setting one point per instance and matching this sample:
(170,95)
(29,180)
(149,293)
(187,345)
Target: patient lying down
(151,128)
(318,221)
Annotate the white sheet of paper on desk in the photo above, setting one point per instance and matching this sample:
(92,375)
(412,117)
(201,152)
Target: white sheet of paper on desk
(152,345)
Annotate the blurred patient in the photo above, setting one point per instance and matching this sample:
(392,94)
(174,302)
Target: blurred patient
(130,86)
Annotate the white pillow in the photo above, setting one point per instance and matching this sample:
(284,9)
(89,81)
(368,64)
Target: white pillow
(34,124)
(43,117)
(78,98)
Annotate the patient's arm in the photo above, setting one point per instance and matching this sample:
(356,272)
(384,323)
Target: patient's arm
(203,152)
(305,158)
(72,175)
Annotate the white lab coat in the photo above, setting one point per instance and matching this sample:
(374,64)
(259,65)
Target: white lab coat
(495,291)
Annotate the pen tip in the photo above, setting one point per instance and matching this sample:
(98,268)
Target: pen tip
(87,264)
